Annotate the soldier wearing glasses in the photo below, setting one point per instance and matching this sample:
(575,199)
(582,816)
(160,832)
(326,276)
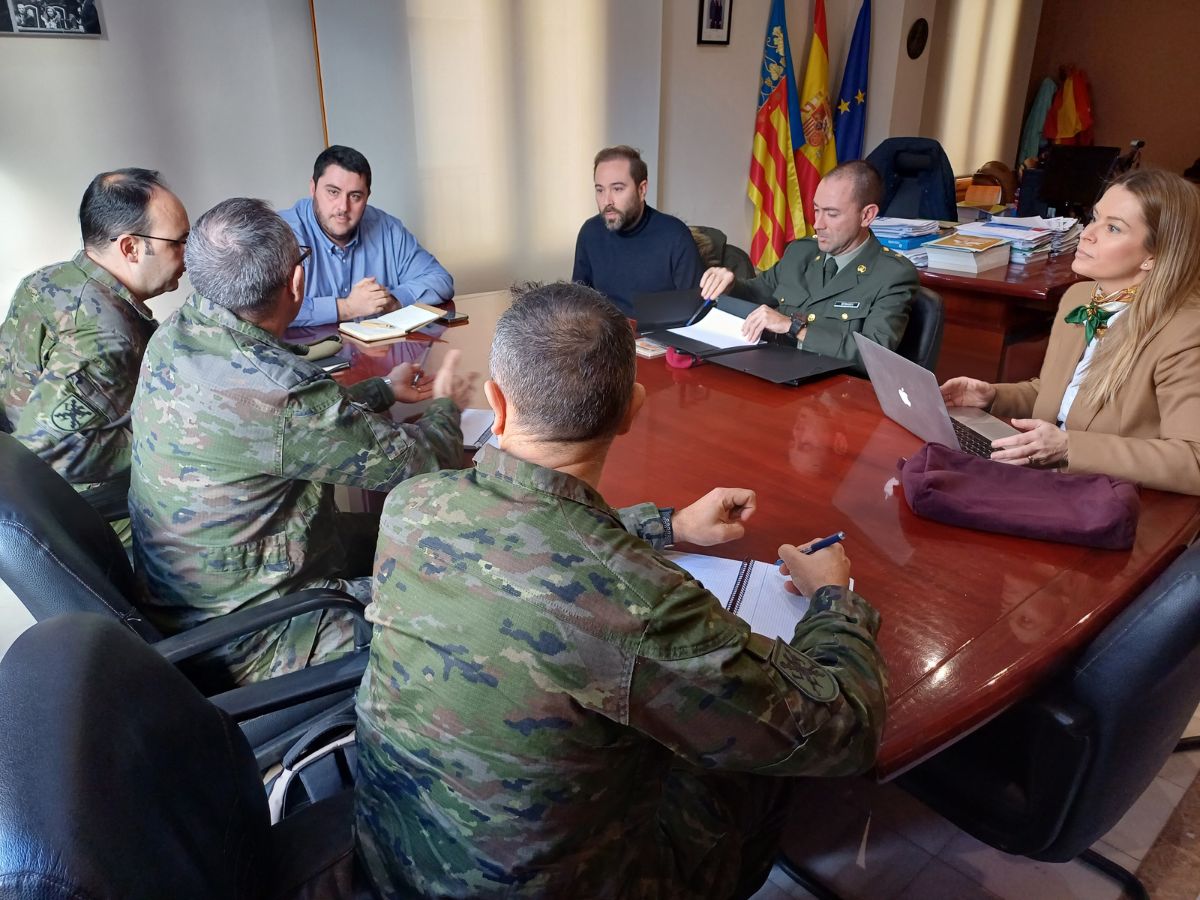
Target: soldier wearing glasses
(73,340)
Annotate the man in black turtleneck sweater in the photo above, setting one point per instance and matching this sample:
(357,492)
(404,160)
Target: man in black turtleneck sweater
(631,248)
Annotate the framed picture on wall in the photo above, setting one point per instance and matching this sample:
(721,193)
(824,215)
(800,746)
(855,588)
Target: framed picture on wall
(715,19)
(52,18)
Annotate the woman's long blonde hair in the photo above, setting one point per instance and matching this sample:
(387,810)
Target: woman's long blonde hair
(1170,206)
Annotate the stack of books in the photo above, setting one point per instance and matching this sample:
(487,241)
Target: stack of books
(906,237)
(1030,244)
(968,253)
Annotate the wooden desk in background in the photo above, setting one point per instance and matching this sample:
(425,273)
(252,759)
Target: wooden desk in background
(998,322)
(971,621)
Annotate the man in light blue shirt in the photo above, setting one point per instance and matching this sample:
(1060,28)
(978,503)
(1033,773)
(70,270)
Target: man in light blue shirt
(364,262)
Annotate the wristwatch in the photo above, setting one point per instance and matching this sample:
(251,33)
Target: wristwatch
(666,513)
(796,327)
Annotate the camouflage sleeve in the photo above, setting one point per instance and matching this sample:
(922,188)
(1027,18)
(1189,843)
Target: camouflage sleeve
(336,440)
(373,393)
(644,520)
(811,706)
(77,415)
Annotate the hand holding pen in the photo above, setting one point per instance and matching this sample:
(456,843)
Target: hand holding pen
(815,565)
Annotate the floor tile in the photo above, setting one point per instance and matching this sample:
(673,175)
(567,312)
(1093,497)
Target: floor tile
(1181,768)
(1018,878)
(867,860)
(1171,874)
(943,882)
(895,808)
(1140,826)
(1121,859)
(782,888)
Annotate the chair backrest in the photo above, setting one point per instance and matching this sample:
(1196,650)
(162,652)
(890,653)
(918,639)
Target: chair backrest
(918,182)
(715,250)
(1141,680)
(922,341)
(119,778)
(57,554)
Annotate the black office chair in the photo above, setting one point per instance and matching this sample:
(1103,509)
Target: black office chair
(918,182)
(1052,775)
(121,780)
(57,555)
(715,250)
(922,341)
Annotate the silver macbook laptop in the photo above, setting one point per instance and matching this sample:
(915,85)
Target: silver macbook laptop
(910,397)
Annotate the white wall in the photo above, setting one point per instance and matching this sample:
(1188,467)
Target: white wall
(710,93)
(220,96)
(482,118)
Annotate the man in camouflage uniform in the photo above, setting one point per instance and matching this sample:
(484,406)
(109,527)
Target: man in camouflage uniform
(552,708)
(238,442)
(840,281)
(75,333)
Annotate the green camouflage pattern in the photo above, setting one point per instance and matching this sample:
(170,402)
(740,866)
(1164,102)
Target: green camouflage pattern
(237,444)
(536,673)
(70,349)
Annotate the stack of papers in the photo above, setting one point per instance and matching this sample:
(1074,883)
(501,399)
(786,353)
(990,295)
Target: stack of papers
(906,236)
(1064,230)
(888,227)
(1030,244)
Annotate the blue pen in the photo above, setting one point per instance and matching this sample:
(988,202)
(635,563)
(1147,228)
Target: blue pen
(704,307)
(826,542)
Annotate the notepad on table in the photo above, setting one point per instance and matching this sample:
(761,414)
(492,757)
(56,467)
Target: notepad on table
(477,427)
(754,591)
(397,323)
(717,329)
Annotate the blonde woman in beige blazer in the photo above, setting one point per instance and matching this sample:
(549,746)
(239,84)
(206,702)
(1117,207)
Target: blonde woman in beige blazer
(1119,390)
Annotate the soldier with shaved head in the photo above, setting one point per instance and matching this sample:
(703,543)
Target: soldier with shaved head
(554,709)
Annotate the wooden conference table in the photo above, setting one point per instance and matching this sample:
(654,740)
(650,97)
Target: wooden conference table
(998,322)
(971,621)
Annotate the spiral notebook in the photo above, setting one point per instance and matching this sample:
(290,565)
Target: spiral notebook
(754,591)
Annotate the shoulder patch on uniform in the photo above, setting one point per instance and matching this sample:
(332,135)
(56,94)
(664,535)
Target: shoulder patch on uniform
(810,678)
(73,413)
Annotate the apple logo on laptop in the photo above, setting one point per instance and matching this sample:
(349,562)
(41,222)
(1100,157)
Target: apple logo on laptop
(904,397)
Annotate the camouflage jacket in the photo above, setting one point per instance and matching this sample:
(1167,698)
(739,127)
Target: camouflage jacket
(69,355)
(237,443)
(535,670)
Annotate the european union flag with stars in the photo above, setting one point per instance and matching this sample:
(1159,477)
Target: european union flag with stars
(850,117)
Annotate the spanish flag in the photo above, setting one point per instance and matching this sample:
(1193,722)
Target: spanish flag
(818,154)
(1069,119)
(773,188)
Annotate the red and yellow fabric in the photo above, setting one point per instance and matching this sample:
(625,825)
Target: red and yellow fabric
(1069,119)
(773,188)
(818,154)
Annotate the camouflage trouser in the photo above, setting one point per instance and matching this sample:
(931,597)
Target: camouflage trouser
(722,830)
(314,637)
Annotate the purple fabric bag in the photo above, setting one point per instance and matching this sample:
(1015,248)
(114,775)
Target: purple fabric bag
(959,489)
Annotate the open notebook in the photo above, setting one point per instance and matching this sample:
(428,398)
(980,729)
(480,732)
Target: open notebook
(397,323)
(755,591)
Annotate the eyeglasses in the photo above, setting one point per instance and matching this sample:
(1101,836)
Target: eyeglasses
(305,253)
(152,237)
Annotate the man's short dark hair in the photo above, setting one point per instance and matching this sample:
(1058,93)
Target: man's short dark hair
(115,203)
(346,157)
(565,357)
(868,184)
(239,254)
(637,166)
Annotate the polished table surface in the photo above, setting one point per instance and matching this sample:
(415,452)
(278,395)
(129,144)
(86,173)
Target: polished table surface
(971,621)
(998,322)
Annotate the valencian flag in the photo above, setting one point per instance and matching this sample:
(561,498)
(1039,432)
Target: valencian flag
(773,188)
(850,117)
(817,155)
